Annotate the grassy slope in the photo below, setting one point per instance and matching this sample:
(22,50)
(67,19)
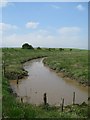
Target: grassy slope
(73,64)
(13,68)
(14,58)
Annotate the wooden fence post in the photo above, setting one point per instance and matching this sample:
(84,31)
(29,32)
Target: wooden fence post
(3,62)
(73,98)
(62,105)
(17,82)
(45,98)
(17,79)
(21,99)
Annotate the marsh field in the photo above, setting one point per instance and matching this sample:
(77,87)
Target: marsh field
(70,66)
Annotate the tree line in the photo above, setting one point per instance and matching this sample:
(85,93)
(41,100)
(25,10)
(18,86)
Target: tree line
(28,46)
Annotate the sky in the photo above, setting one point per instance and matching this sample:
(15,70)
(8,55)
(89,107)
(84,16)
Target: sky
(45,24)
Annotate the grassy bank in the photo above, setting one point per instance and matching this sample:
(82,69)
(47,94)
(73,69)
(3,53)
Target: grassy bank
(13,69)
(14,59)
(73,64)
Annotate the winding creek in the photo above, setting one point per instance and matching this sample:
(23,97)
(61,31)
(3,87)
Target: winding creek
(41,79)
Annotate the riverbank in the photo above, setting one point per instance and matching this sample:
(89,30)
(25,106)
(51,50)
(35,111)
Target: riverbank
(41,79)
(67,78)
(11,108)
(72,65)
(13,69)
(14,59)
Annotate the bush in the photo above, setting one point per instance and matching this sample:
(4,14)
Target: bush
(61,49)
(70,49)
(38,48)
(27,46)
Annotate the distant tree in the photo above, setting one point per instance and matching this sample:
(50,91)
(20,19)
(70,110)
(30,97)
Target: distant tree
(61,49)
(49,49)
(70,49)
(27,46)
(38,48)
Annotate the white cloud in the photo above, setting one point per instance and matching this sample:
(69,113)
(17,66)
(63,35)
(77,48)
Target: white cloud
(35,39)
(55,6)
(80,7)
(32,25)
(66,37)
(4,27)
(3,3)
(71,36)
(69,30)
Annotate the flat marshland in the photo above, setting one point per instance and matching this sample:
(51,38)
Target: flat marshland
(73,64)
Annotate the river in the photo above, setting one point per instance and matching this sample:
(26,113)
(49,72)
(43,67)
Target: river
(42,80)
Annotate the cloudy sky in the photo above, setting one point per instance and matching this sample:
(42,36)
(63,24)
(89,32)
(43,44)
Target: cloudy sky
(49,24)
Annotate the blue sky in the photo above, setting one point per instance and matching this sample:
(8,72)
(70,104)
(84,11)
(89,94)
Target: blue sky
(53,24)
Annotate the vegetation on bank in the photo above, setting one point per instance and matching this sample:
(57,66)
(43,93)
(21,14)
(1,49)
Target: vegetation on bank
(13,69)
(73,64)
(14,59)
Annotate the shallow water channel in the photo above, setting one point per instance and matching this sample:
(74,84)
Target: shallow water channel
(41,79)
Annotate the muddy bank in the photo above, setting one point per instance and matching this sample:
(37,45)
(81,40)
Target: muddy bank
(21,73)
(66,75)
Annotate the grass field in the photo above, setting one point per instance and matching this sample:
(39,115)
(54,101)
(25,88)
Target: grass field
(74,64)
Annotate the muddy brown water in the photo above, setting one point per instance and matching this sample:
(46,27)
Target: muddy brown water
(41,79)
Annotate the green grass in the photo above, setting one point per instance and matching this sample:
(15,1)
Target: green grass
(73,64)
(14,59)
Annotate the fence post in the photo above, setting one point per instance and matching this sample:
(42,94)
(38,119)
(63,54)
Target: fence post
(73,98)
(21,99)
(3,67)
(17,79)
(45,98)
(62,105)
(17,82)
